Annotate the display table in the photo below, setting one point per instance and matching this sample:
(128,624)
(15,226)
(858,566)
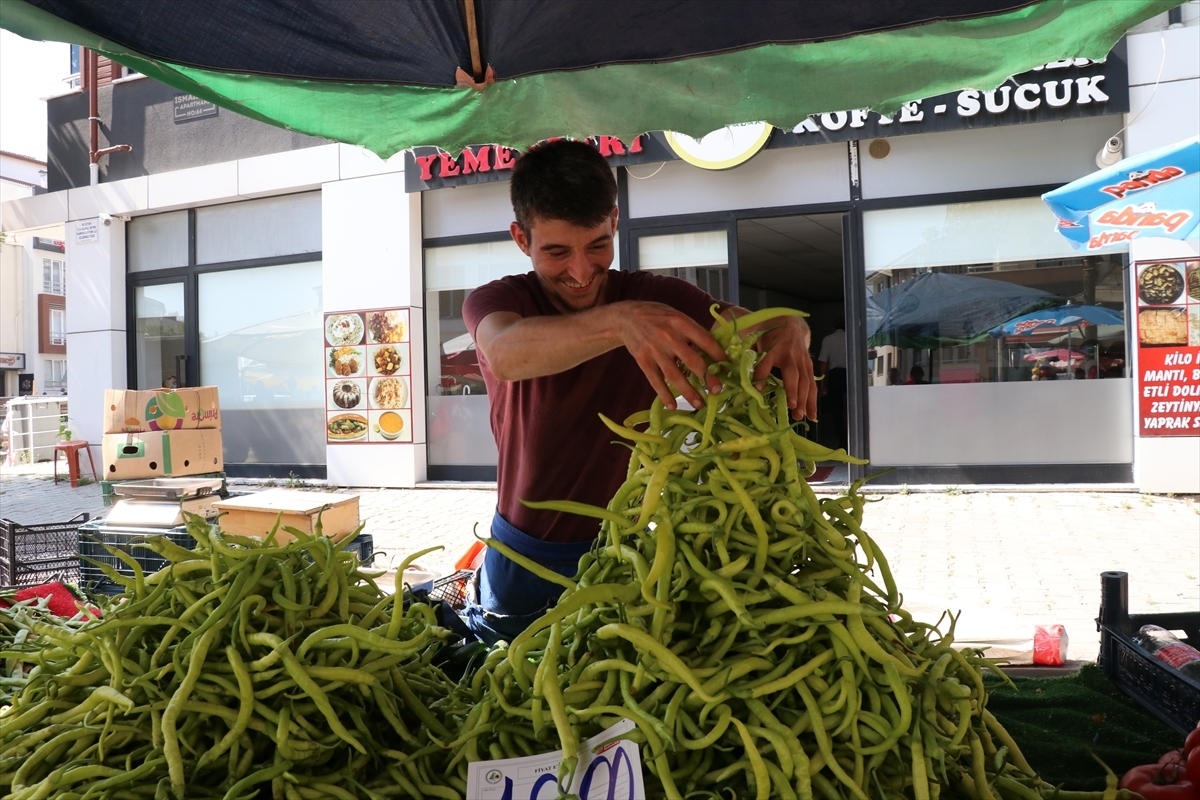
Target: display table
(1058,721)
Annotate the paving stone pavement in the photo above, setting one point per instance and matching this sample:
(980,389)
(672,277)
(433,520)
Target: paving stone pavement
(1007,560)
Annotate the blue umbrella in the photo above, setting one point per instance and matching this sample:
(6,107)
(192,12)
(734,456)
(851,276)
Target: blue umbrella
(1066,316)
(935,309)
(1155,194)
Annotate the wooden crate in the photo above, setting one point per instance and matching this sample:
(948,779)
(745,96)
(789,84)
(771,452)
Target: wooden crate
(254,514)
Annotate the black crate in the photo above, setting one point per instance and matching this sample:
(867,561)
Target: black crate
(452,589)
(1165,692)
(362,545)
(31,555)
(92,541)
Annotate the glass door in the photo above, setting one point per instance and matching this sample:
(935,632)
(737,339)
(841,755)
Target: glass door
(159,349)
(461,444)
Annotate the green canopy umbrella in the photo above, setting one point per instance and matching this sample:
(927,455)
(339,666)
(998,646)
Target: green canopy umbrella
(393,74)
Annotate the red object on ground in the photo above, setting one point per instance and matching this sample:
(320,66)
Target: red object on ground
(72,448)
(62,602)
(1050,645)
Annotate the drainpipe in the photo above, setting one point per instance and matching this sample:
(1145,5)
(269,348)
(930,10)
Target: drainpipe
(90,69)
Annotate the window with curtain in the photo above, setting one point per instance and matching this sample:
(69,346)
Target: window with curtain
(701,258)
(58,326)
(54,276)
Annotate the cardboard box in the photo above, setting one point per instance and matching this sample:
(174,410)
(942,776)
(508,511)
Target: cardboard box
(132,411)
(254,514)
(161,454)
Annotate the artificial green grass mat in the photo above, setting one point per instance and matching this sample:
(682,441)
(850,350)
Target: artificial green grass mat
(1057,722)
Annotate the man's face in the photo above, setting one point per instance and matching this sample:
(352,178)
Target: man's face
(571,261)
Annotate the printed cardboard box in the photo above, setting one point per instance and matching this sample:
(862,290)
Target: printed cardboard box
(133,411)
(161,454)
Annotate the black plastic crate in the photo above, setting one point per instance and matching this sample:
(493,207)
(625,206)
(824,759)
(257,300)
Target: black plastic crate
(362,545)
(452,589)
(31,555)
(94,537)
(1165,692)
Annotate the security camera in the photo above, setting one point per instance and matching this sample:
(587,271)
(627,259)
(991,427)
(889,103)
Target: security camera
(1110,154)
(106,219)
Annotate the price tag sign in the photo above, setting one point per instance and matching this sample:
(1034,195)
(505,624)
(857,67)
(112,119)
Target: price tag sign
(1168,339)
(610,768)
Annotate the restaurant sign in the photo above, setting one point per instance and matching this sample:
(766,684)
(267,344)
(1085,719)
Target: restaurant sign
(14,361)
(1059,90)
(1168,339)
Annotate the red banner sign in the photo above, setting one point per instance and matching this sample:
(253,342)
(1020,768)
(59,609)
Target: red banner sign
(1168,341)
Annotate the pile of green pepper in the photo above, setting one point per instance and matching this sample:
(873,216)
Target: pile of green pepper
(243,667)
(751,630)
(731,614)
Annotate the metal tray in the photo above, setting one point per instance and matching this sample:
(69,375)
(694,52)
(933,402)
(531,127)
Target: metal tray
(168,488)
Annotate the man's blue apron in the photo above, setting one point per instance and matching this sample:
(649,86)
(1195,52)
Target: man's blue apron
(506,597)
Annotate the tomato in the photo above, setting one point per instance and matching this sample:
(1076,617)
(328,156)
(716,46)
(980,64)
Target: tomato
(1193,766)
(1159,782)
(1193,741)
(1171,757)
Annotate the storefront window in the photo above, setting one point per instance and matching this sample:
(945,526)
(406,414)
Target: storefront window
(158,241)
(261,345)
(701,259)
(265,228)
(158,337)
(460,432)
(973,309)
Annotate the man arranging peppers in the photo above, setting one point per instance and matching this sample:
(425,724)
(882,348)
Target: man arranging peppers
(571,340)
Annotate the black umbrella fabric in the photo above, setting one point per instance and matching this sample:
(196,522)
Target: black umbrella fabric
(936,309)
(394,74)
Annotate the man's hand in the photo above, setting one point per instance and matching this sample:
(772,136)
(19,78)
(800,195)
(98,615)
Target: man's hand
(664,342)
(785,345)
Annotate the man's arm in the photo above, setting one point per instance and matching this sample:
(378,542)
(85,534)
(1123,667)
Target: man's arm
(658,337)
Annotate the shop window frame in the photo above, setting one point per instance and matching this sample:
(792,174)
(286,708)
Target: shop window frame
(854,261)
(189,275)
(630,228)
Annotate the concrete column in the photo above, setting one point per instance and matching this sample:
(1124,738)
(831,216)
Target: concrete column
(95,324)
(371,245)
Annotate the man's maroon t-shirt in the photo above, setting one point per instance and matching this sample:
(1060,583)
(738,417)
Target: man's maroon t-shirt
(552,444)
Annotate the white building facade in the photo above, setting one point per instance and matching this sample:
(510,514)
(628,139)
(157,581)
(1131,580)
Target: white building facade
(229,272)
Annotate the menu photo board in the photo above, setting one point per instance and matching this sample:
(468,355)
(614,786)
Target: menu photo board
(368,377)
(1168,341)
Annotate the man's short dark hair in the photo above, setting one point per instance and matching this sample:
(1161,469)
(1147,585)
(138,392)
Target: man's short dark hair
(563,180)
